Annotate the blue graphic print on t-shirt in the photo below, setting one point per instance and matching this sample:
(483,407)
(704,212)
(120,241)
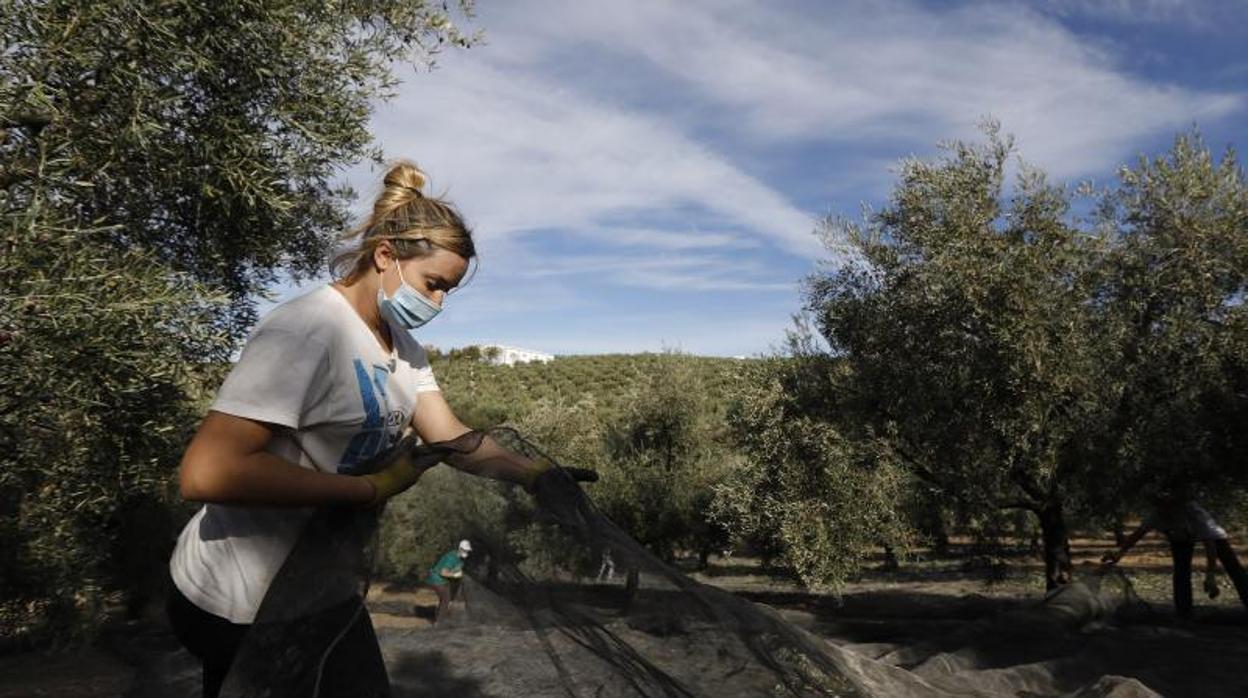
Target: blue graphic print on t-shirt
(381,425)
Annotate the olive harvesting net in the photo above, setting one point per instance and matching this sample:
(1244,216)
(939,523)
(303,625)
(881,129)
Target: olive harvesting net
(542,630)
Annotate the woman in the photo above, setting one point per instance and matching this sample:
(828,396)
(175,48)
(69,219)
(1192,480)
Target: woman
(325,382)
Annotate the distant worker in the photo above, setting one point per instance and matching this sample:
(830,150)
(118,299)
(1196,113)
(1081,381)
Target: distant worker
(448,568)
(1184,523)
(606,571)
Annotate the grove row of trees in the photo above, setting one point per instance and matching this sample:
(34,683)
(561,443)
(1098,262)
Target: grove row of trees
(976,347)
(1009,353)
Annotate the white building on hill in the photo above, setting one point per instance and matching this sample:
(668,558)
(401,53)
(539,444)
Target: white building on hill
(501,354)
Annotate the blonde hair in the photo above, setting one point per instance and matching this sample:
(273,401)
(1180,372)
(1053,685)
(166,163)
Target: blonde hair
(412,222)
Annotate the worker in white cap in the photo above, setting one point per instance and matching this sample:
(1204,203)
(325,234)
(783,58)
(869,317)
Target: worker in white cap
(448,567)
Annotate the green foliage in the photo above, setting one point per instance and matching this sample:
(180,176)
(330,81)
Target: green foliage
(485,395)
(967,323)
(207,133)
(443,508)
(160,162)
(667,449)
(1178,328)
(967,328)
(471,352)
(572,433)
(98,360)
(1009,356)
(693,451)
(650,424)
(804,495)
(446,505)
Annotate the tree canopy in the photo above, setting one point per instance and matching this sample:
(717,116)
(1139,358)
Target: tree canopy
(1012,354)
(208,134)
(1173,310)
(802,493)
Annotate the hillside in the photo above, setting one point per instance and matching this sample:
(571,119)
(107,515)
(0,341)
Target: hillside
(485,395)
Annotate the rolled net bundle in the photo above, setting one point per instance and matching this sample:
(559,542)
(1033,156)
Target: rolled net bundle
(1096,594)
(655,632)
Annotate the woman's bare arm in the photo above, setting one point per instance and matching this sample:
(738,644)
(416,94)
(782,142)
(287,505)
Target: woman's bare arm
(1131,540)
(1211,558)
(226,463)
(434,421)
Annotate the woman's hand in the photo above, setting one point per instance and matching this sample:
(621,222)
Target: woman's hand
(558,494)
(399,467)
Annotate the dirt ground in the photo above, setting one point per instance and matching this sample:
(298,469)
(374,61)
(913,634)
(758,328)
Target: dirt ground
(926,612)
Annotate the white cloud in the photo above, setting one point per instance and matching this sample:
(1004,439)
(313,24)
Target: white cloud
(531,140)
(891,72)
(668,272)
(531,154)
(694,238)
(655,145)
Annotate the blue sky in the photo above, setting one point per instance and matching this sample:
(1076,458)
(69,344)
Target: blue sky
(645,175)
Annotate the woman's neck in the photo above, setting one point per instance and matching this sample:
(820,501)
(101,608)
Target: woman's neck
(364,300)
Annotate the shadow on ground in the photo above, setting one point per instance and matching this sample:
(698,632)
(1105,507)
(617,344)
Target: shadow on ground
(933,635)
(428,673)
(936,634)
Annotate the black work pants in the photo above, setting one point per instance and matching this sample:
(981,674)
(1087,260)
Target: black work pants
(1181,552)
(215,642)
(212,639)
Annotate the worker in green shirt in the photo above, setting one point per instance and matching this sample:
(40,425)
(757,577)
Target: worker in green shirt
(448,567)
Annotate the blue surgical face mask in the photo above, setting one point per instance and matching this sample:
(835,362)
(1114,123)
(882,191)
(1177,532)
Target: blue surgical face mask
(408,309)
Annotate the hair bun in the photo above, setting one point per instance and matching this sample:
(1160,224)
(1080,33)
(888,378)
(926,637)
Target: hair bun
(406,175)
(402,211)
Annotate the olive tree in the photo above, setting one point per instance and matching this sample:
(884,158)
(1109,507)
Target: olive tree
(1173,306)
(208,134)
(103,357)
(803,494)
(664,452)
(966,321)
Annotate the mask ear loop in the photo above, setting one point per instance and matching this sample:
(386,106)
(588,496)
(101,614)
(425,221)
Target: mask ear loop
(402,281)
(395,252)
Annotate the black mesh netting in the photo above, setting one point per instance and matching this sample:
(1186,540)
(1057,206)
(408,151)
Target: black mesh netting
(525,632)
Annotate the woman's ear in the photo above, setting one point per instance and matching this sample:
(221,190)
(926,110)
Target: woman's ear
(383,255)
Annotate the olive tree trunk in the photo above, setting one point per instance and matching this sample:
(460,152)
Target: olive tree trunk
(1056,538)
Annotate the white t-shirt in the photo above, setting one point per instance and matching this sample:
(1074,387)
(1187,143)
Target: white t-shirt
(1185,522)
(313,368)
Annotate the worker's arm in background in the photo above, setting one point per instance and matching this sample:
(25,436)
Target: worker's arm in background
(1116,555)
(1211,570)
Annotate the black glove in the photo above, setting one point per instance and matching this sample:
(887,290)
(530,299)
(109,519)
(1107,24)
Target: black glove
(559,496)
